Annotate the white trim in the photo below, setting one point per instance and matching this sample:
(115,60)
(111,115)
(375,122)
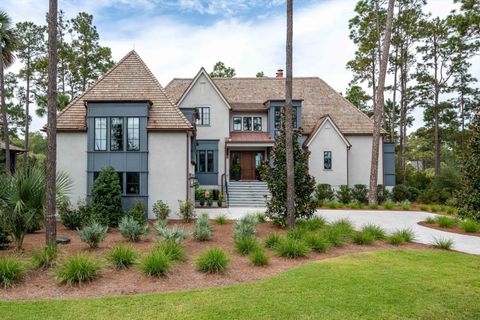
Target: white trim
(347,143)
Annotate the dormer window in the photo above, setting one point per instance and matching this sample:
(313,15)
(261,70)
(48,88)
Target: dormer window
(203,116)
(247,123)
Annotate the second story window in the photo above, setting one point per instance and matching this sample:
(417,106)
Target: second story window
(327,160)
(100,134)
(247,123)
(237,123)
(257,123)
(133,134)
(116,137)
(278,119)
(203,116)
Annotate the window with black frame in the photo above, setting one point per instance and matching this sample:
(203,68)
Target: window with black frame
(203,116)
(247,123)
(257,123)
(133,134)
(116,134)
(133,183)
(327,160)
(237,123)
(100,134)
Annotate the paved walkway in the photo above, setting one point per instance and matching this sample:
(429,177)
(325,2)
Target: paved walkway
(389,220)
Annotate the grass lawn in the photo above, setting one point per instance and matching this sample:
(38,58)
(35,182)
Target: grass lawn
(393,284)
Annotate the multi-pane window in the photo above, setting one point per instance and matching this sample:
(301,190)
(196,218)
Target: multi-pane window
(327,160)
(247,123)
(206,161)
(100,134)
(257,123)
(210,161)
(133,183)
(203,116)
(278,119)
(116,134)
(237,123)
(133,134)
(201,161)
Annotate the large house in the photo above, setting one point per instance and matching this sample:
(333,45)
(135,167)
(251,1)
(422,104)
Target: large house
(214,131)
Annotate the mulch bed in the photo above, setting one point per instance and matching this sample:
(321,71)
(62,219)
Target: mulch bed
(453,229)
(183,276)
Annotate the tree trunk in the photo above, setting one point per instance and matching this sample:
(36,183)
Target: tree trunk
(50,219)
(6,139)
(394,112)
(436,110)
(27,111)
(378,115)
(289,120)
(462,133)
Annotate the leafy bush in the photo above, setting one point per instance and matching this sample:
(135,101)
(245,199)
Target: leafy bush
(291,248)
(413,194)
(317,242)
(214,260)
(360,193)
(107,198)
(11,271)
(324,192)
(272,240)
(176,233)
(442,243)
(122,256)
(363,238)
(432,195)
(203,228)
(406,205)
(93,234)
(374,230)
(187,210)
(246,245)
(382,194)
(470,225)
(174,250)
(344,194)
(389,205)
(259,258)
(71,218)
(137,212)
(132,229)
(313,224)
(244,228)
(77,269)
(156,264)
(334,204)
(161,210)
(45,257)
(400,193)
(445,222)
(221,220)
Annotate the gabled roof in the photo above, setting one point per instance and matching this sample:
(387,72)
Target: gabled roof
(318,98)
(318,127)
(129,80)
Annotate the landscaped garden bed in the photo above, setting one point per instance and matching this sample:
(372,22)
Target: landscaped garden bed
(451,224)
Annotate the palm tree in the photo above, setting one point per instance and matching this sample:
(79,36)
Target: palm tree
(289,120)
(7,46)
(50,219)
(380,105)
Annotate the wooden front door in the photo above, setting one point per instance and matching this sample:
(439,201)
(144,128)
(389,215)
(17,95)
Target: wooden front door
(247,164)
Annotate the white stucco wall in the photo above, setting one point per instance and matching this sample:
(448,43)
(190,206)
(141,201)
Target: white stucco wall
(251,114)
(359,158)
(203,94)
(72,159)
(167,161)
(327,139)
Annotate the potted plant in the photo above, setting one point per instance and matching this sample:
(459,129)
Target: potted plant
(220,199)
(208,198)
(201,199)
(235,171)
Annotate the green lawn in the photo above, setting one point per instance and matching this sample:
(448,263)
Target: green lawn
(393,284)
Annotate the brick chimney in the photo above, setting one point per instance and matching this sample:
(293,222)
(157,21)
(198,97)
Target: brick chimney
(279,73)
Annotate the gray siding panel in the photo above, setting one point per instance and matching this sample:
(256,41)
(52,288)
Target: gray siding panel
(210,178)
(389,164)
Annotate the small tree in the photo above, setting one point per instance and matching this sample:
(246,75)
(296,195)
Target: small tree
(276,178)
(107,198)
(469,196)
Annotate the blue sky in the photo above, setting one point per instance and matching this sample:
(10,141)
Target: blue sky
(176,38)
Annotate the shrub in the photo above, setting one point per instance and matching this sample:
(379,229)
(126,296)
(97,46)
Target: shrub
(430,220)
(313,224)
(259,258)
(413,194)
(77,269)
(374,230)
(445,222)
(335,237)
(244,228)
(316,242)
(407,234)
(424,207)
(470,225)
(161,210)
(406,205)
(214,260)
(187,210)
(156,264)
(355,205)
(209,202)
(442,243)
(451,211)
(70,218)
(363,238)
(93,234)
(272,240)
(382,194)
(221,220)
(344,194)
(11,271)
(122,256)
(137,212)
(343,225)
(389,205)
(203,228)
(334,204)
(132,229)
(373,206)
(246,245)
(4,240)
(175,234)
(45,257)
(401,236)
(174,250)
(297,233)
(400,193)
(395,239)
(220,199)
(434,208)
(360,193)
(84,209)
(107,198)
(261,218)
(324,192)
(291,248)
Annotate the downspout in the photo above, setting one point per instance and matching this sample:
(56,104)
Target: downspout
(348,169)
(187,194)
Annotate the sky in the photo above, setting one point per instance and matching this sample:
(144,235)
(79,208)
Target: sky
(176,38)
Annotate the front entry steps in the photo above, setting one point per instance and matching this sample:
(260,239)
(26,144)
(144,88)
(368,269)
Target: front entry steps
(248,194)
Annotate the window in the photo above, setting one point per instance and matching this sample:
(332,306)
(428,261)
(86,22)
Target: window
(133,134)
(203,116)
(201,161)
(206,161)
(116,134)
(247,123)
(133,183)
(278,119)
(237,123)
(101,134)
(327,160)
(210,161)
(257,123)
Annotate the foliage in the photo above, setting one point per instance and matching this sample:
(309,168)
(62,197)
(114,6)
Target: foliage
(355,205)
(442,243)
(78,269)
(335,204)
(175,234)
(222,71)
(359,98)
(470,225)
(373,206)
(11,271)
(174,250)
(406,205)
(261,218)
(382,194)
(389,205)
(395,239)
(221,220)
(259,258)
(4,238)
(220,199)
(363,238)
(297,233)
(324,191)
(137,212)
(70,218)
(423,207)
(45,257)
(400,193)
(316,242)
(314,224)
(430,220)
(156,264)
(401,236)
(214,260)
(131,229)
(203,228)
(161,210)
(244,228)
(343,225)
(122,256)
(445,222)
(344,194)
(246,245)
(272,240)
(376,231)
(93,234)
(360,193)
(292,248)
(187,210)
(107,198)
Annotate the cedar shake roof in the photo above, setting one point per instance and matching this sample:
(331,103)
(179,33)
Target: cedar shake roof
(129,80)
(319,99)
(245,137)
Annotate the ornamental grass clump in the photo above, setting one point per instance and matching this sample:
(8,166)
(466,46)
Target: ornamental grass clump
(401,236)
(156,264)
(344,226)
(430,220)
(297,233)
(363,238)
(443,243)
(292,248)
(335,237)
(93,234)
(246,245)
(175,234)
(221,220)
(78,269)
(470,226)
(131,229)
(446,222)
(11,271)
(244,227)
(203,228)
(45,257)
(122,256)
(272,240)
(389,205)
(375,230)
(406,205)
(334,204)
(317,242)
(214,260)
(314,224)
(174,250)
(259,258)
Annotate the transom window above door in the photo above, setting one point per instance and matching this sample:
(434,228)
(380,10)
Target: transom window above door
(247,123)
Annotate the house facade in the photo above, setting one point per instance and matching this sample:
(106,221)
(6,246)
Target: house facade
(211,131)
